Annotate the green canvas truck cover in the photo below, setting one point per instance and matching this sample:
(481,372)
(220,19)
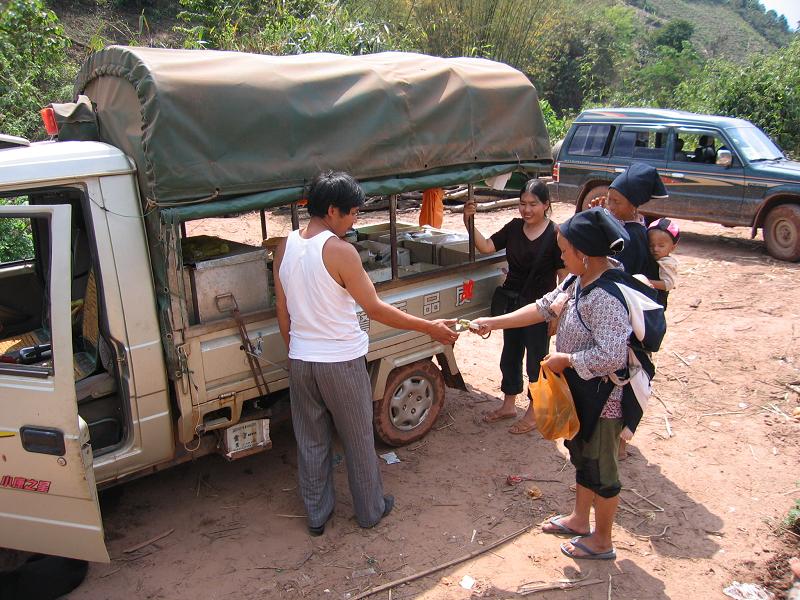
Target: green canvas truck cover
(213,125)
(214,133)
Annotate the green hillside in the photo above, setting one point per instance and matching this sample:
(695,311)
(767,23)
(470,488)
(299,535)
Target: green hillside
(721,56)
(720,31)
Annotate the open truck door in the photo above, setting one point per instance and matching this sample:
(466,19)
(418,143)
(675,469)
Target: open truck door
(48,497)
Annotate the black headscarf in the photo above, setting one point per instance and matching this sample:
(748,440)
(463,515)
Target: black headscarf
(595,232)
(640,183)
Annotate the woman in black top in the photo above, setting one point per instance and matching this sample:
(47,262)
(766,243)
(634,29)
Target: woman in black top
(530,243)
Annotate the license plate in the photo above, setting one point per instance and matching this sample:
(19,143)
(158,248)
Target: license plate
(247,438)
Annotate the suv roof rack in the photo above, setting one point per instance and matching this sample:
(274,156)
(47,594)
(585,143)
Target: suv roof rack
(10,141)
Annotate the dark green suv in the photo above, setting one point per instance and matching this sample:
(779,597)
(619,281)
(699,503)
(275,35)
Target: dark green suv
(716,169)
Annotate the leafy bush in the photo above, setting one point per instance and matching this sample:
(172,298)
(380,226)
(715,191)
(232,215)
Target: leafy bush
(285,27)
(557,127)
(16,242)
(33,63)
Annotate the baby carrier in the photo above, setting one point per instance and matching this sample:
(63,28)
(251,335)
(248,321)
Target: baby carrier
(648,325)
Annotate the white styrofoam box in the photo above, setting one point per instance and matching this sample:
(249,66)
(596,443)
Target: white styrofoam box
(374,231)
(372,251)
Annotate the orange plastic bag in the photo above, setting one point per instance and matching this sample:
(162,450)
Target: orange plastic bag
(553,406)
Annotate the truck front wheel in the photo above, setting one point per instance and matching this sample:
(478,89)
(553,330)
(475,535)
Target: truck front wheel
(412,401)
(597,192)
(782,232)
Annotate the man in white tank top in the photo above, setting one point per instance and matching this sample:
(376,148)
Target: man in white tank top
(319,282)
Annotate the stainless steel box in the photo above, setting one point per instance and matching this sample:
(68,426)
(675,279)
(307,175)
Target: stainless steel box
(241,272)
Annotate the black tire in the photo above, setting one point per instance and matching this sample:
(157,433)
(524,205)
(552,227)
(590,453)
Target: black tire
(412,401)
(597,191)
(782,232)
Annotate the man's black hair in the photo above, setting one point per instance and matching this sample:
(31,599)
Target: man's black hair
(334,188)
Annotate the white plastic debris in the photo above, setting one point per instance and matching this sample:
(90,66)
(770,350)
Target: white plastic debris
(467,582)
(747,591)
(390,458)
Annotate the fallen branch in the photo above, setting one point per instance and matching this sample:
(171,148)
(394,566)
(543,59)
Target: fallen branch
(279,569)
(724,412)
(562,584)
(645,498)
(487,206)
(669,429)
(728,307)
(148,542)
(651,537)
(657,397)
(680,358)
(450,563)
(221,533)
(450,424)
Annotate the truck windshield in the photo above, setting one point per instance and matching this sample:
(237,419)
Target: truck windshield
(753,144)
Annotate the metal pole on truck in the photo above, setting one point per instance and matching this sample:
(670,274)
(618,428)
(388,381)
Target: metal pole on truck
(393,233)
(471,228)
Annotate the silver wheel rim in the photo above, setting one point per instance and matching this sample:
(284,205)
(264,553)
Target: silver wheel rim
(411,403)
(785,234)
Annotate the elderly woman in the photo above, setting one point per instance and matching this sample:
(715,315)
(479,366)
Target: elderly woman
(591,346)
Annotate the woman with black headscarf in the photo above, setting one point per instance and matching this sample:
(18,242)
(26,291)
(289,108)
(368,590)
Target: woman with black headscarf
(591,351)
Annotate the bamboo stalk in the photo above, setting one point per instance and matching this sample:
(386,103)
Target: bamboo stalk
(449,563)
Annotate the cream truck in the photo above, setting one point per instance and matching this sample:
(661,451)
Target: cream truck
(129,345)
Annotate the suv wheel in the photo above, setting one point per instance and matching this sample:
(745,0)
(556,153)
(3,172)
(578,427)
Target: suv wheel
(411,403)
(598,191)
(782,232)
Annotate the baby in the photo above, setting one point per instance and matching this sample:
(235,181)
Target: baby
(663,236)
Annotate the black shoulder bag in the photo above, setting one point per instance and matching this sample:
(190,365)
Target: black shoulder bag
(504,300)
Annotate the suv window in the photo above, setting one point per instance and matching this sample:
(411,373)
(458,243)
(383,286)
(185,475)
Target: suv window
(699,146)
(589,140)
(641,143)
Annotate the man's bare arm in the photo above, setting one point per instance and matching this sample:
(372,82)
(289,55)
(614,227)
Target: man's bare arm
(343,260)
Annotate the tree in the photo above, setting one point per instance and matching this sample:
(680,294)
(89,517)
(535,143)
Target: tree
(765,91)
(674,34)
(34,69)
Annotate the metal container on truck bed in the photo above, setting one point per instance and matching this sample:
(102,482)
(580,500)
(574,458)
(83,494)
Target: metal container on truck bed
(241,272)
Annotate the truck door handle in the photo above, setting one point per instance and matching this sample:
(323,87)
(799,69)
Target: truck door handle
(43,440)
(756,184)
(619,169)
(677,175)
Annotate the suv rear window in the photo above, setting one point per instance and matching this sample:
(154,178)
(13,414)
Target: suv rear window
(589,140)
(640,143)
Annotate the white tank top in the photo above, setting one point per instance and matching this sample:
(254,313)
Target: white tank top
(324,326)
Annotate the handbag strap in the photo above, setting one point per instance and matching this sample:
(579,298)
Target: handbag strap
(546,240)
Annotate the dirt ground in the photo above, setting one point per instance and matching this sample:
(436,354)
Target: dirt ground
(713,471)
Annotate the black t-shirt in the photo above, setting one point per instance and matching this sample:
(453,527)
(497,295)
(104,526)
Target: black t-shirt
(521,255)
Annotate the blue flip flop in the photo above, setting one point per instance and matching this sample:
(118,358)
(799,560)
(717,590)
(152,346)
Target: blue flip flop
(562,529)
(590,555)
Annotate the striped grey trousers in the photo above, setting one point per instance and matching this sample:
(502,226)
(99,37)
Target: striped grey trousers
(324,396)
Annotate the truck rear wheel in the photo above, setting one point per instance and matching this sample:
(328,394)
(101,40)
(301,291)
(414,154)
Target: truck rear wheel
(598,191)
(412,401)
(782,232)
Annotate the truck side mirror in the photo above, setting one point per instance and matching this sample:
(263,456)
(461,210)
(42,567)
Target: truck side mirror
(724,158)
